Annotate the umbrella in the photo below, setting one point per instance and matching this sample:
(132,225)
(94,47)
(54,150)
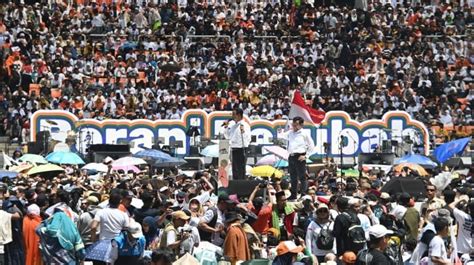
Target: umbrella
(45,169)
(417,159)
(284,163)
(21,167)
(129,161)
(414,167)
(278,151)
(152,154)
(126,169)
(187,259)
(99,167)
(413,186)
(32,158)
(9,174)
(172,162)
(170,68)
(69,158)
(266,171)
(210,151)
(349,173)
(267,160)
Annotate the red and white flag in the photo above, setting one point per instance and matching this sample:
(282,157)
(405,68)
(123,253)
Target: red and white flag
(299,108)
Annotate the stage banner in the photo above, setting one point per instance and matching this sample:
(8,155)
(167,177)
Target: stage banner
(359,137)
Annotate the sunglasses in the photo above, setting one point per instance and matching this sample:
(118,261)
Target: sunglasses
(431,190)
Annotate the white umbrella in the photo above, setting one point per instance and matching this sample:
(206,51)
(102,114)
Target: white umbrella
(128,161)
(99,167)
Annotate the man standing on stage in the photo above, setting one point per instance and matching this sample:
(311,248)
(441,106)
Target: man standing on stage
(300,145)
(238,133)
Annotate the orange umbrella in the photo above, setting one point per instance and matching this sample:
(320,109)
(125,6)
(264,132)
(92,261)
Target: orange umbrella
(411,166)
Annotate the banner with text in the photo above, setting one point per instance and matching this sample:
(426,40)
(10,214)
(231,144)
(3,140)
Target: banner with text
(361,137)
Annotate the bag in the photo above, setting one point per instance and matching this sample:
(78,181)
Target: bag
(356,233)
(364,257)
(325,239)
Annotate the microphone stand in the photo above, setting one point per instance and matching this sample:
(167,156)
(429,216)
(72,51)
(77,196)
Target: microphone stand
(354,156)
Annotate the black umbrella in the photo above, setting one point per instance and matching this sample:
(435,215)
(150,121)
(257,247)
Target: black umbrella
(413,186)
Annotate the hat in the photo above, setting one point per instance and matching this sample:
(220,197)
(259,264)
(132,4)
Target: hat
(349,257)
(288,247)
(181,194)
(232,217)
(92,200)
(180,215)
(379,231)
(322,206)
(384,196)
(33,209)
(135,229)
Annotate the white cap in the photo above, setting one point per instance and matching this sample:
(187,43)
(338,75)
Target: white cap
(379,231)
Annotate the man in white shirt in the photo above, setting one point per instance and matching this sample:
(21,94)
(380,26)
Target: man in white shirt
(238,133)
(437,251)
(465,222)
(111,220)
(300,144)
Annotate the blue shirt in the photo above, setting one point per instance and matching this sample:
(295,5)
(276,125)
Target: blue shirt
(126,249)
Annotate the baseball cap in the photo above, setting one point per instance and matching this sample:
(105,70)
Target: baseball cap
(384,196)
(349,257)
(180,215)
(288,247)
(379,231)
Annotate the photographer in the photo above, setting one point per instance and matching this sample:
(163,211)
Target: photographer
(263,210)
(172,237)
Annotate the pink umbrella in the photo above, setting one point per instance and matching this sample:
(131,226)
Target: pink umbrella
(278,151)
(126,169)
(267,160)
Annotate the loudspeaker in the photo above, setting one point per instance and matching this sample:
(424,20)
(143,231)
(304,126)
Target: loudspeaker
(194,151)
(98,152)
(376,158)
(43,136)
(253,150)
(34,148)
(243,187)
(109,148)
(455,162)
(193,163)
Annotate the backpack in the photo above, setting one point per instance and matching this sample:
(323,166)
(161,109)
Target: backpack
(355,233)
(325,240)
(364,257)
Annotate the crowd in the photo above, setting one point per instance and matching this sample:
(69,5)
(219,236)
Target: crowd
(116,218)
(149,60)
(127,60)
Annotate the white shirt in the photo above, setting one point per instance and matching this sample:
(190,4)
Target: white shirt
(312,234)
(299,142)
(464,239)
(207,218)
(437,249)
(111,221)
(234,134)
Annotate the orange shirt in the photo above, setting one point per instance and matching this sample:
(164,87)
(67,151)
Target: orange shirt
(262,224)
(236,245)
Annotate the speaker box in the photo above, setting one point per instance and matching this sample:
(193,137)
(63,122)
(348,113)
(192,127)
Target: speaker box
(376,158)
(98,152)
(243,188)
(194,151)
(193,163)
(109,148)
(454,162)
(34,148)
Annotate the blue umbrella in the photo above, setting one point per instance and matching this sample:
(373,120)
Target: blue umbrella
(416,159)
(281,163)
(210,151)
(69,158)
(9,174)
(152,154)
